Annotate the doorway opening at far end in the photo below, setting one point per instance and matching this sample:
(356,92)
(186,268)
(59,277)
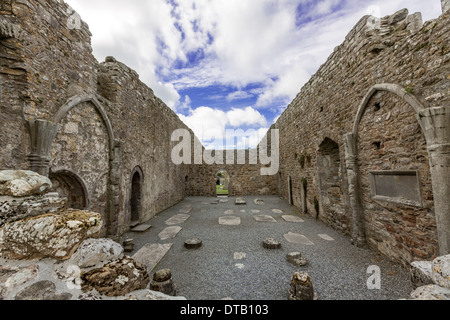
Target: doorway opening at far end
(222,183)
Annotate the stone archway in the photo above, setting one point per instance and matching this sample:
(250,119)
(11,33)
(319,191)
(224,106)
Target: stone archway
(75,101)
(43,134)
(136,196)
(435,124)
(222,183)
(69,185)
(329,173)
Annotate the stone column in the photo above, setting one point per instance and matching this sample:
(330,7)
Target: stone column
(114,190)
(445,5)
(42,135)
(436,126)
(354,190)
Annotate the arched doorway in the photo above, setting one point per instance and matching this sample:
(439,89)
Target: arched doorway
(105,185)
(329,172)
(69,185)
(432,121)
(223,183)
(136,196)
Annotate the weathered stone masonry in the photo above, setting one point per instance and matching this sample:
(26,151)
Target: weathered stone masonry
(364,146)
(245,179)
(377,110)
(89,126)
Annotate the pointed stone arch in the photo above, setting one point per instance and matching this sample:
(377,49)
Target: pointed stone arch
(75,101)
(43,134)
(71,186)
(223,183)
(435,124)
(114,146)
(392,88)
(329,178)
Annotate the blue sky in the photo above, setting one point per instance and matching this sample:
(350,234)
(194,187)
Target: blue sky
(233,64)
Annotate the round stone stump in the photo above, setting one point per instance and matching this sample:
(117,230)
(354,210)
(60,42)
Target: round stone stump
(162,282)
(128,245)
(193,243)
(296,259)
(302,287)
(271,244)
(162,275)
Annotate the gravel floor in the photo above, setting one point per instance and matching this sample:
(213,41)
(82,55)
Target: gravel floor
(338,269)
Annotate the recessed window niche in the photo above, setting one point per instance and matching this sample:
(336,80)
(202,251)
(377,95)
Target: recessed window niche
(401,187)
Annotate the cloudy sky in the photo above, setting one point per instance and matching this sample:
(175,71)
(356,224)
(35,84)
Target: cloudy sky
(228,64)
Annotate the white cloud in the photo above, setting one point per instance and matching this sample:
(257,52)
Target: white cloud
(238,95)
(279,113)
(248,37)
(211,125)
(258,41)
(206,122)
(242,42)
(248,117)
(323,7)
(251,141)
(133,34)
(166,92)
(185,105)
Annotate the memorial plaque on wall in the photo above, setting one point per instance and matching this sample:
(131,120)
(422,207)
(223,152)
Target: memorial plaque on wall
(396,186)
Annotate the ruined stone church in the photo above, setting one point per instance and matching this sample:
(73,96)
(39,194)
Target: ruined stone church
(364,147)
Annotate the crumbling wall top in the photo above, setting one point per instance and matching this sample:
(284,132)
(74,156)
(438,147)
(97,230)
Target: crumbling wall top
(370,39)
(445,5)
(50,55)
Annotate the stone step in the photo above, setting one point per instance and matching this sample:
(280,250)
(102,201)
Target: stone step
(134,224)
(151,254)
(141,228)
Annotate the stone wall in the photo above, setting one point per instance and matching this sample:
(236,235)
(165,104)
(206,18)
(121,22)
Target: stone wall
(88,125)
(398,50)
(97,128)
(245,179)
(445,5)
(144,125)
(391,139)
(81,148)
(44,60)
